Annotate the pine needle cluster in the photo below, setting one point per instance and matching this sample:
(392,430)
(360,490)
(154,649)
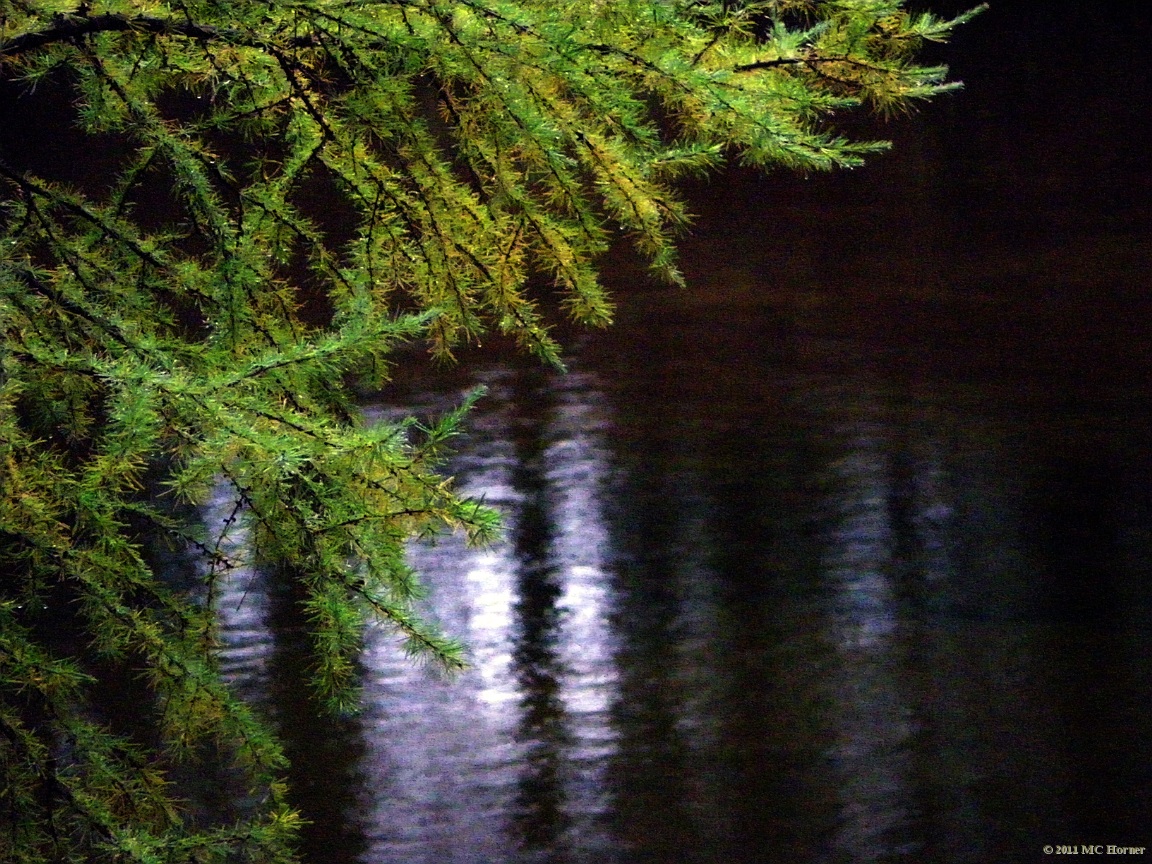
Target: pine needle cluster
(338,177)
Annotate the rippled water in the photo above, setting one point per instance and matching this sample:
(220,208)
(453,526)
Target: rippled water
(767,594)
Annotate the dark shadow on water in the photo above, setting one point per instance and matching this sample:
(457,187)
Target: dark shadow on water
(540,819)
(326,753)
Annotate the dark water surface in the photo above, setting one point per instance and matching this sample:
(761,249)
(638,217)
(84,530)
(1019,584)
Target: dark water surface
(843,555)
(776,587)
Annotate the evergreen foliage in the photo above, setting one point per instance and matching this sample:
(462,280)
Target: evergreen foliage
(472,149)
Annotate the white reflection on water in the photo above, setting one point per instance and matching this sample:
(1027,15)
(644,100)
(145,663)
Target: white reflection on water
(240,596)
(507,762)
(872,714)
(858,558)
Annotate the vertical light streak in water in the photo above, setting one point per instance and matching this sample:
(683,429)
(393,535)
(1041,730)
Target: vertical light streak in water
(930,514)
(506,763)
(240,596)
(870,711)
(576,473)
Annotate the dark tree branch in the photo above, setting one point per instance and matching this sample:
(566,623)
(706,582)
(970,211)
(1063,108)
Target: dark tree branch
(770,64)
(66,28)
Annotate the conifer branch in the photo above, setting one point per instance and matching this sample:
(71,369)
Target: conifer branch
(463,146)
